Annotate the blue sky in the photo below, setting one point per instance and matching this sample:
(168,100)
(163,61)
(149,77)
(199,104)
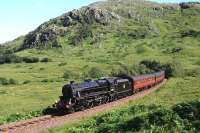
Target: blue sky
(18,17)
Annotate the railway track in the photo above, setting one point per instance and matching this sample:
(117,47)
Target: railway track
(43,123)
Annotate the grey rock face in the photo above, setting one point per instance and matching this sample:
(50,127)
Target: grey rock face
(49,31)
(186,5)
(35,39)
(67,21)
(89,15)
(98,15)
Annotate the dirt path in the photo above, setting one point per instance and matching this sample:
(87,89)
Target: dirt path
(44,123)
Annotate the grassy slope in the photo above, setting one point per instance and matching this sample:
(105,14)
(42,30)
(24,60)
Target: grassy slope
(179,89)
(112,49)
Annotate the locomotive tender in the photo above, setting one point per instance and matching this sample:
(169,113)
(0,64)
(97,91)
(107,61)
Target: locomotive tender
(80,96)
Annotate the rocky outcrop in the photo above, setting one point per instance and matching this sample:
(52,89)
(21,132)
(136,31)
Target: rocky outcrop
(87,15)
(46,35)
(98,15)
(38,39)
(186,5)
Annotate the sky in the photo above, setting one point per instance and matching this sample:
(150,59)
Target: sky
(18,17)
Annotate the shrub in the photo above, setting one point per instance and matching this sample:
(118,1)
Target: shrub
(42,68)
(119,71)
(30,59)
(9,58)
(194,72)
(16,59)
(12,81)
(140,49)
(84,32)
(138,34)
(67,74)
(2,59)
(190,33)
(45,80)
(70,74)
(174,68)
(163,117)
(95,72)
(189,111)
(124,69)
(26,81)
(62,64)
(153,65)
(198,62)
(136,124)
(177,68)
(45,60)
(14,117)
(23,116)
(4,81)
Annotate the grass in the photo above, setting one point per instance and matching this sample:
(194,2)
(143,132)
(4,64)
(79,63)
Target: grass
(182,117)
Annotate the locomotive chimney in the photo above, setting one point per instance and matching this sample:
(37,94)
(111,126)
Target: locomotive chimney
(71,82)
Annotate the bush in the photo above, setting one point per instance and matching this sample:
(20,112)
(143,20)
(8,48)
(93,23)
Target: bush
(84,32)
(153,65)
(189,111)
(174,68)
(138,34)
(41,69)
(70,74)
(136,124)
(163,117)
(67,74)
(190,33)
(122,70)
(30,59)
(5,81)
(12,81)
(193,73)
(9,58)
(140,49)
(177,68)
(14,117)
(45,60)
(62,64)
(95,72)
(26,81)
(45,80)
(22,116)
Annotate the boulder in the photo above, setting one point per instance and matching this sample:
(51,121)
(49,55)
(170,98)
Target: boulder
(67,21)
(98,15)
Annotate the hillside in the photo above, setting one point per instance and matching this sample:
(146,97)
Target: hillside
(76,26)
(102,39)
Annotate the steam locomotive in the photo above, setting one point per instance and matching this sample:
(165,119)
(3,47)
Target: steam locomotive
(80,96)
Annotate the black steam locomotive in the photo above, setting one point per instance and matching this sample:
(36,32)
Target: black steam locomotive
(80,96)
